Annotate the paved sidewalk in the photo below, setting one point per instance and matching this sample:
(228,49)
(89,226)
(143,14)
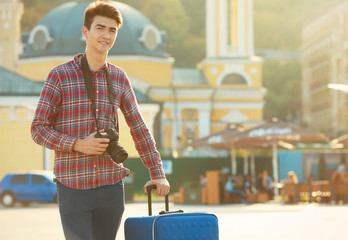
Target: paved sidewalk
(257,221)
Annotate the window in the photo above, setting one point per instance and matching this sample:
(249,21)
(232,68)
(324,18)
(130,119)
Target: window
(232,79)
(150,37)
(190,133)
(37,179)
(40,38)
(20,179)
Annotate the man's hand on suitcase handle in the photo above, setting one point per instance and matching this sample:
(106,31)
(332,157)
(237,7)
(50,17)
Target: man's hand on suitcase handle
(162,186)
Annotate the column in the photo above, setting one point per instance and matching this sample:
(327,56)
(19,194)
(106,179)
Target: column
(47,159)
(203,122)
(177,128)
(211,26)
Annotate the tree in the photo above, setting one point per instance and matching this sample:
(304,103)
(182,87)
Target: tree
(170,17)
(283,83)
(35,10)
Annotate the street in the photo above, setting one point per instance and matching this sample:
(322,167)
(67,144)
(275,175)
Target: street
(238,221)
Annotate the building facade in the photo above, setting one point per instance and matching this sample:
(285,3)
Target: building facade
(177,104)
(324,61)
(10,33)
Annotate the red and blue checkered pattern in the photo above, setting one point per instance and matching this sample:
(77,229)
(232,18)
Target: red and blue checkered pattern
(64,114)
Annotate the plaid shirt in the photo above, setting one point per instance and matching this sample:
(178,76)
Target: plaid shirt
(64,114)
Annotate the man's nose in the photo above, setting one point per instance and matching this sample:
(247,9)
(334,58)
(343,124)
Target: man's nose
(106,34)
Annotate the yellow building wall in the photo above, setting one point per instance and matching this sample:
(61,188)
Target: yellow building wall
(215,129)
(189,114)
(150,72)
(37,71)
(255,76)
(155,73)
(17,150)
(167,129)
(167,113)
(252,114)
(5,113)
(126,139)
(167,136)
(214,71)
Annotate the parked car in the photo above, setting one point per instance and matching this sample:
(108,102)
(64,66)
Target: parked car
(26,187)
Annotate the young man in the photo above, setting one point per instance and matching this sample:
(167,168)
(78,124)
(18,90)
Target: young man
(90,189)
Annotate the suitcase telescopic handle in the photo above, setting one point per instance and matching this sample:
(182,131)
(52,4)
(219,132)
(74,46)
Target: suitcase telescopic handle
(149,201)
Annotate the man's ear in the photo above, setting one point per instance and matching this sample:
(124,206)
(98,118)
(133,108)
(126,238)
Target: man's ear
(84,31)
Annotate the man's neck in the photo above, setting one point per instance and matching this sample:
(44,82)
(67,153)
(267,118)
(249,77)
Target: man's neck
(95,61)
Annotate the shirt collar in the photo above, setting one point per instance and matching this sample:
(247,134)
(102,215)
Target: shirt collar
(77,60)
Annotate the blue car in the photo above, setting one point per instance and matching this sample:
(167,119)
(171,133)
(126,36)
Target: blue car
(26,187)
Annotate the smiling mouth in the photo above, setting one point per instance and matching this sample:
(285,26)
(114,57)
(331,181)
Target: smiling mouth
(104,43)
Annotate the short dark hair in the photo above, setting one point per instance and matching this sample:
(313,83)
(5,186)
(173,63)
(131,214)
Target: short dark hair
(100,8)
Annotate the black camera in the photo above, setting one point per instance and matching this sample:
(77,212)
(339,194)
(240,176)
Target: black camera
(115,150)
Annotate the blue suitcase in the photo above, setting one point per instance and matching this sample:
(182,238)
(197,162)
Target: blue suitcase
(171,225)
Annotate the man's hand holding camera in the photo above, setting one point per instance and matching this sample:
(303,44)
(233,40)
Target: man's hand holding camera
(99,142)
(91,145)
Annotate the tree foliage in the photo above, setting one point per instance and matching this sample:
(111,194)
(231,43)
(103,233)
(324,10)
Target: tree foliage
(170,16)
(283,83)
(35,10)
(278,24)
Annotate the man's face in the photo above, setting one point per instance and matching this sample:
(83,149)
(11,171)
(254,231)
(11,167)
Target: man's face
(102,34)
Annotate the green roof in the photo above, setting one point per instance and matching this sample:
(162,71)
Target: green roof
(64,24)
(12,84)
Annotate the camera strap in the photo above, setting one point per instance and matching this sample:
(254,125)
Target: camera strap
(90,88)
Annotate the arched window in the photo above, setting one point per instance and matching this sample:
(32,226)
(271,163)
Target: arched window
(232,79)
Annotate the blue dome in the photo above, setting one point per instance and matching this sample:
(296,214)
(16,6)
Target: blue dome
(59,33)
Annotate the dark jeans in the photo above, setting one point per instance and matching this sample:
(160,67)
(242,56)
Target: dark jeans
(93,214)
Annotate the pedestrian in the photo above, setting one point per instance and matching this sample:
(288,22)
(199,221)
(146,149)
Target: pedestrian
(292,178)
(230,187)
(89,175)
(265,184)
(340,174)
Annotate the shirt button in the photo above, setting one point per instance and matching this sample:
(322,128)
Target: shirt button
(97,110)
(97,91)
(95,166)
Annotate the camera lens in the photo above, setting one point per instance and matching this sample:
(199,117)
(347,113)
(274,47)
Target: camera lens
(117,152)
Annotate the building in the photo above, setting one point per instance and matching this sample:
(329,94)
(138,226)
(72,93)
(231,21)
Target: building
(325,60)
(10,29)
(177,104)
